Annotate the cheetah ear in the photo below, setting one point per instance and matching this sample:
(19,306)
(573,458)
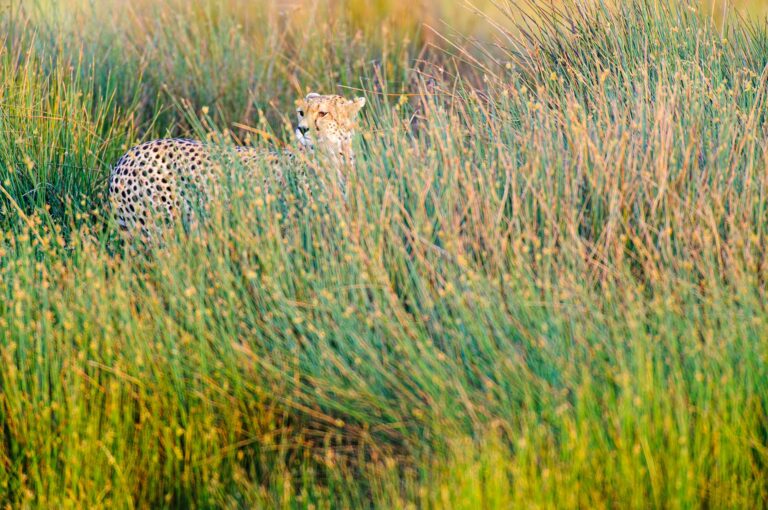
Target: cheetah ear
(355,105)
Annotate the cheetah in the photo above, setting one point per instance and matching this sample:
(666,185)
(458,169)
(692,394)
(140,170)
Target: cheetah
(163,179)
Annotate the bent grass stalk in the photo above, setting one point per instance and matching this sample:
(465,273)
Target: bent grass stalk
(545,288)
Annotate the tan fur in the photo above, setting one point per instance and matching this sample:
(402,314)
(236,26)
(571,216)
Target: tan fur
(331,122)
(162,179)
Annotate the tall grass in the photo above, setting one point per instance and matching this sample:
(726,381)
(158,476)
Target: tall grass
(544,289)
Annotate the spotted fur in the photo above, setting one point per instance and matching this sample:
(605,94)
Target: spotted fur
(162,180)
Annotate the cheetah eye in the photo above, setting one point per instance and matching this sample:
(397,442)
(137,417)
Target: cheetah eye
(322,114)
(300,112)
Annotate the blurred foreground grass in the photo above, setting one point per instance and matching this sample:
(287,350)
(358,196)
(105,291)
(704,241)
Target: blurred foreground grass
(546,289)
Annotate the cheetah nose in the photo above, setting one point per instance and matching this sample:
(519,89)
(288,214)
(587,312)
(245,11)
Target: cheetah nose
(303,130)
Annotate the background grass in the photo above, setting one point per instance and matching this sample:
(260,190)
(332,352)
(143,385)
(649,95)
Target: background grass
(546,288)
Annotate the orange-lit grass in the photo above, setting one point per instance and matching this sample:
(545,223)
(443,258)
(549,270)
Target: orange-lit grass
(548,292)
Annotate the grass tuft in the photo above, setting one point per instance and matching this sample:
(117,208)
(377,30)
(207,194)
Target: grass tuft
(546,286)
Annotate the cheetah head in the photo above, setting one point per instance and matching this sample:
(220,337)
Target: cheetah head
(326,123)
